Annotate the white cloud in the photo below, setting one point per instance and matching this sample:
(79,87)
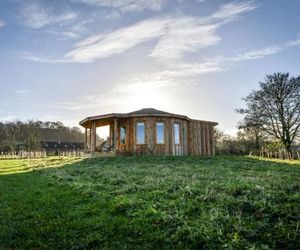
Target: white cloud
(2,23)
(36,16)
(44,60)
(68,34)
(90,40)
(189,34)
(144,88)
(183,70)
(105,45)
(222,63)
(23,91)
(233,9)
(180,74)
(185,35)
(126,5)
(293,43)
(178,70)
(176,36)
(255,54)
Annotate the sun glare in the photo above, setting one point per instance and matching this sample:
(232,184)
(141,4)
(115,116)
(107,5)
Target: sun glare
(145,99)
(137,98)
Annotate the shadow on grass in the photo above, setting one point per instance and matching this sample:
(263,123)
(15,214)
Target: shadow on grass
(152,202)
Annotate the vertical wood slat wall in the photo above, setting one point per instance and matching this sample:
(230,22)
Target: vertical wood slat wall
(201,141)
(197,137)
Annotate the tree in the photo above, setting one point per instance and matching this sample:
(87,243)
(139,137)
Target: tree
(275,108)
(30,134)
(227,144)
(252,133)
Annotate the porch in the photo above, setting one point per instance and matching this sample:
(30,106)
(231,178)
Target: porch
(122,138)
(109,145)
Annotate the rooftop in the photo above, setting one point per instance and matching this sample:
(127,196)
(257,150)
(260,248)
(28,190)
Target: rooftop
(137,113)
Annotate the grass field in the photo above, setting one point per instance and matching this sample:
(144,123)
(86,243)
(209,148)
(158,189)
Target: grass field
(149,203)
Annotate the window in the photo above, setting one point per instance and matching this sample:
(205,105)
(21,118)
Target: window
(123,135)
(140,133)
(176,129)
(160,133)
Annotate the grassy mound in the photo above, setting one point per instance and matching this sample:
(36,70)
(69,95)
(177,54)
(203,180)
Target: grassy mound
(150,203)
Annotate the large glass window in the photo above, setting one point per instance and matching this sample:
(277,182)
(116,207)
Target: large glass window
(140,133)
(123,135)
(176,129)
(160,133)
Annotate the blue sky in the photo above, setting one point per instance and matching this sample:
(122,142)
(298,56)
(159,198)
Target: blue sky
(68,59)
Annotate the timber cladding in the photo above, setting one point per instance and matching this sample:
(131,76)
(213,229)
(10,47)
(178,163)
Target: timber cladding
(153,132)
(168,147)
(201,140)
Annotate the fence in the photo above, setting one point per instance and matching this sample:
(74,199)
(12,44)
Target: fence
(40,154)
(157,150)
(279,154)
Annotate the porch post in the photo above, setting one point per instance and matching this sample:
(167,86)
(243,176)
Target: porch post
(111,133)
(85,139)
(90,139)
(93,138)
(115,134)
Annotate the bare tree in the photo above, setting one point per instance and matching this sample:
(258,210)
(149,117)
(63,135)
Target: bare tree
(251,134)
(275,108)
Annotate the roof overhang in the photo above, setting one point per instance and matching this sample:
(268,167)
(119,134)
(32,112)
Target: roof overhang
(107,118)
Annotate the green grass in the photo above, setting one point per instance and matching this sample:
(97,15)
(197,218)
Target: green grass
(15,166)
(150,203)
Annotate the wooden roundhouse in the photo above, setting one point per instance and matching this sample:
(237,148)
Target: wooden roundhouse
(151,132)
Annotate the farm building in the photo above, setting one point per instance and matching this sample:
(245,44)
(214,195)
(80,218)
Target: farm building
(150,132)
(53,146)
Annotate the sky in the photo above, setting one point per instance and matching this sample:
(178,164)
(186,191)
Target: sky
(69,59)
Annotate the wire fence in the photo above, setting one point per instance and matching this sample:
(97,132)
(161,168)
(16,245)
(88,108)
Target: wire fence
(40,154)
(277,154)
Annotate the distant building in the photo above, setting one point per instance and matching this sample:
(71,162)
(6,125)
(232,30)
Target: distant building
(52,146)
